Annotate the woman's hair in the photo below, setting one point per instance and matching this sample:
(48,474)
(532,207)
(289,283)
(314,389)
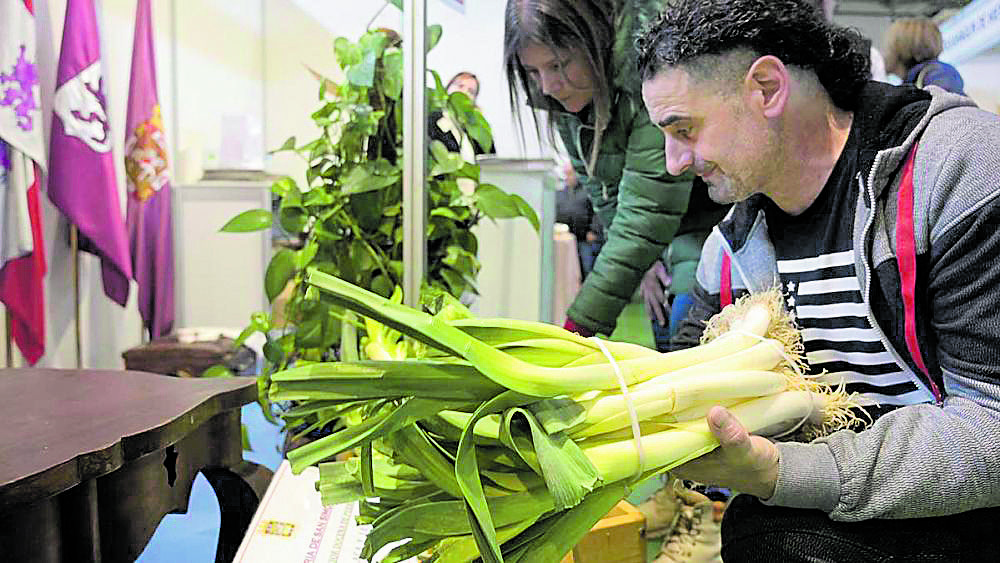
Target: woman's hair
(910,42)
(586,26)
(463,74)
(715,39)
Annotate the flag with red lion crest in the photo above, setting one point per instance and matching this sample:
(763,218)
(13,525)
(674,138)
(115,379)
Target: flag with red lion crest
(148,219)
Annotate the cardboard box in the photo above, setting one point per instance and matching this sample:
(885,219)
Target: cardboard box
(616,538)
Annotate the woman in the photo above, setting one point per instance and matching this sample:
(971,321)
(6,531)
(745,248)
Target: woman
(912,48)
(442,128)
(576,60)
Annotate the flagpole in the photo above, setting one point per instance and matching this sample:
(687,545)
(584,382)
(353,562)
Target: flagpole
(74,244)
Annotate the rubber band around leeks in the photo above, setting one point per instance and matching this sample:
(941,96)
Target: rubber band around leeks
(633,416)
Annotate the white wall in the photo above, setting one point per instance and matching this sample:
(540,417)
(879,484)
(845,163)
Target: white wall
(982,81)
(220,67)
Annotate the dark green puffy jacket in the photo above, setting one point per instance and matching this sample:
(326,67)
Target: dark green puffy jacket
(643,208)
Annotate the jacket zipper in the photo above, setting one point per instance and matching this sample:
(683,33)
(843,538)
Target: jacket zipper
(929,385)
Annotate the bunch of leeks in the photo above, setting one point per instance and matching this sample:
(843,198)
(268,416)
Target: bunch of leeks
(506,440)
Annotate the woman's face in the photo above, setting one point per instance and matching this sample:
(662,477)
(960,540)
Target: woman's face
(466,84)
(562,74)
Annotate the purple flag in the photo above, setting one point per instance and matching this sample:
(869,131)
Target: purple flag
(82,180)
(148,223)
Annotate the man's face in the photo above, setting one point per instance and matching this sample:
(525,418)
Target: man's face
(560,73)
(711,133)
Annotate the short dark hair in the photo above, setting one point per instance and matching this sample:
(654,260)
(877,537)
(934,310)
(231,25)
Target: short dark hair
(690,33)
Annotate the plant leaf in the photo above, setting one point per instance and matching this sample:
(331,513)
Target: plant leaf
(392,78)
(279,271)
(433,35)
(494,203)
(570,526)
(526,210)
(284,186)
(363,73)
(288,145)
(218,370)
(248,221)
(347,53)
(305,256)
(362,179)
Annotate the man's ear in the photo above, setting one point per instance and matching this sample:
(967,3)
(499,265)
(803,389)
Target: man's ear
(768,84)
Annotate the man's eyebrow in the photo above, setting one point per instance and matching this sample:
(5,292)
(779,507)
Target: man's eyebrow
(670,120)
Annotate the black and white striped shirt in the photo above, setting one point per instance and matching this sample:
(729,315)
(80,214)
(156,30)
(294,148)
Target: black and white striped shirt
(819,281)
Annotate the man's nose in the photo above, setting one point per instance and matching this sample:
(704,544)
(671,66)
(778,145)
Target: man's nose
(679,156)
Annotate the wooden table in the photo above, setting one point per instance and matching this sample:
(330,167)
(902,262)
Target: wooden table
(91,460)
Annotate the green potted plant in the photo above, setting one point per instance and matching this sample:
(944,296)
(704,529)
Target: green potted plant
(346,219)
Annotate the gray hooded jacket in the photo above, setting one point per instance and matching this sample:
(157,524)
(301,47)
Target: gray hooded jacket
(920,460)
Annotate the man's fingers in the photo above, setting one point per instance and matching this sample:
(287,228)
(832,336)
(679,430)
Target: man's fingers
(655,311)
(732,436)
(662,275)
(660,317)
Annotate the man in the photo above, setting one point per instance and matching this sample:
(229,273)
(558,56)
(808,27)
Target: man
(876,209)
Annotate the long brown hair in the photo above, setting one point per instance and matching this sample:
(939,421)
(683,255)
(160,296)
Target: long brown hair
(584,25)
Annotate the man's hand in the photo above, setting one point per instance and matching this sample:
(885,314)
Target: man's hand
(654,286)
(744,463)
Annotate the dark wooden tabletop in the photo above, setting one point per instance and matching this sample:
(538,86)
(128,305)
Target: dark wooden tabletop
(61,427)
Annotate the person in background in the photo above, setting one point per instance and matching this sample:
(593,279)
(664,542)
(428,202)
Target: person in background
(575,60)
(573,209)
(828,7)
(912,49)
(874,209)
(441,128)
(464,81)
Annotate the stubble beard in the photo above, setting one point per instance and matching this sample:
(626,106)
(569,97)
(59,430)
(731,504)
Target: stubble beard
(726,190)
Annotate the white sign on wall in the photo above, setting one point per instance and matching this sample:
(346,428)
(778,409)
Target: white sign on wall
(973,30)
